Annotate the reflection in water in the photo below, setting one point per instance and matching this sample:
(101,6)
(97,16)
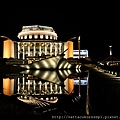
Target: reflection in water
(43,88)
(8,86)
(56,77)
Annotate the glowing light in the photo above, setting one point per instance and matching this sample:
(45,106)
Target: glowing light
(37,66)
(25,37)
(50,37)
(79,38)
(8,49)
(65,65)
(35,36)
(69,66)
(46,36)
(30,36)
(38,33)
(37,72)
(8,86)
(41,36)
(21,37)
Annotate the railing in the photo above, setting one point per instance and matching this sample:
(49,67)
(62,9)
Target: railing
(115,69)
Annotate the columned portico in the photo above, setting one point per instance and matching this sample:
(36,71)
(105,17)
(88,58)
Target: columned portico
(37,42)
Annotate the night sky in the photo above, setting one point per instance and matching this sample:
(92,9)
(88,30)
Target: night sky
(98,26)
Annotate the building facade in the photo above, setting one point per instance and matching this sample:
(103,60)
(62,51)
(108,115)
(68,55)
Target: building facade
(38,43)
(83,53)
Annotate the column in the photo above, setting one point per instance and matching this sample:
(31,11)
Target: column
(51,88)
(55,49)
(45,87)
(29,49)
(23,82)
(39,49)
(56,87)
(18,50)
(18,90)
(60,48)
(34,87)
(34,49)
(45,49)
(28,86)
(51,49)
(23,51)
(60,91)
(40,88)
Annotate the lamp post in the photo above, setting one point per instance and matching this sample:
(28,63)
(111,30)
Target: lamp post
(79,62)
(5,37)
(110,52)
(72,38)
(79,46)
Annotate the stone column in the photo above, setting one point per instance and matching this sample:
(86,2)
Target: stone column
(45,86)
(40,86)
(55,49)
(56,87)
(51,49)
(18,90)
(34,49)
(45,49)
(29,49)
(60,48)
(51,87)
(39,49)
(60,91)
(23,51)
(18,50)
(28,86)
(34,87)
(23,82)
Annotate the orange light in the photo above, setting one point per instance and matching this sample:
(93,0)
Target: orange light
(8,49)
(70,49)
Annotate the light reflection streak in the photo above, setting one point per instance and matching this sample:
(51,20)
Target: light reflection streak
(36,87)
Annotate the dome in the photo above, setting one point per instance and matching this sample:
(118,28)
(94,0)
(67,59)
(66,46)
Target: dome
(37,32)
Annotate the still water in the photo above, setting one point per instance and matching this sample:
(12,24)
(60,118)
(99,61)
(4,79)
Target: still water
(41,92)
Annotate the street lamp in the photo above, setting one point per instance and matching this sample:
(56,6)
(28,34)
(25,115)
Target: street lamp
(110,52)
(79,46)
(72,38)
(5,37)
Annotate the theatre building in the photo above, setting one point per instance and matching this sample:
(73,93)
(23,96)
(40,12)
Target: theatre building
(35,43)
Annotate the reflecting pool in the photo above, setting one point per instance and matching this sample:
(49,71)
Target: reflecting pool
(37,92)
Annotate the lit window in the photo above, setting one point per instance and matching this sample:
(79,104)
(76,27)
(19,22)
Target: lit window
(30,36)
(35,36)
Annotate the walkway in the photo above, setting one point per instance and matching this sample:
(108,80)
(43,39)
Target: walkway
(104,93)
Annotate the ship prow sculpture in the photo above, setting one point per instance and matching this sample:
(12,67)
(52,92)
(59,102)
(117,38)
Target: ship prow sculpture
(51,63)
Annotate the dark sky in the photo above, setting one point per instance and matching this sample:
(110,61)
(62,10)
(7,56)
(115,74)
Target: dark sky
(97,26)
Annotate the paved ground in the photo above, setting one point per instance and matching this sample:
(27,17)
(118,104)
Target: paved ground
(104,93)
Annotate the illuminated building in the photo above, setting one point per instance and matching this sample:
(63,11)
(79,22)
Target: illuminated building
(36,43)
(83,53)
